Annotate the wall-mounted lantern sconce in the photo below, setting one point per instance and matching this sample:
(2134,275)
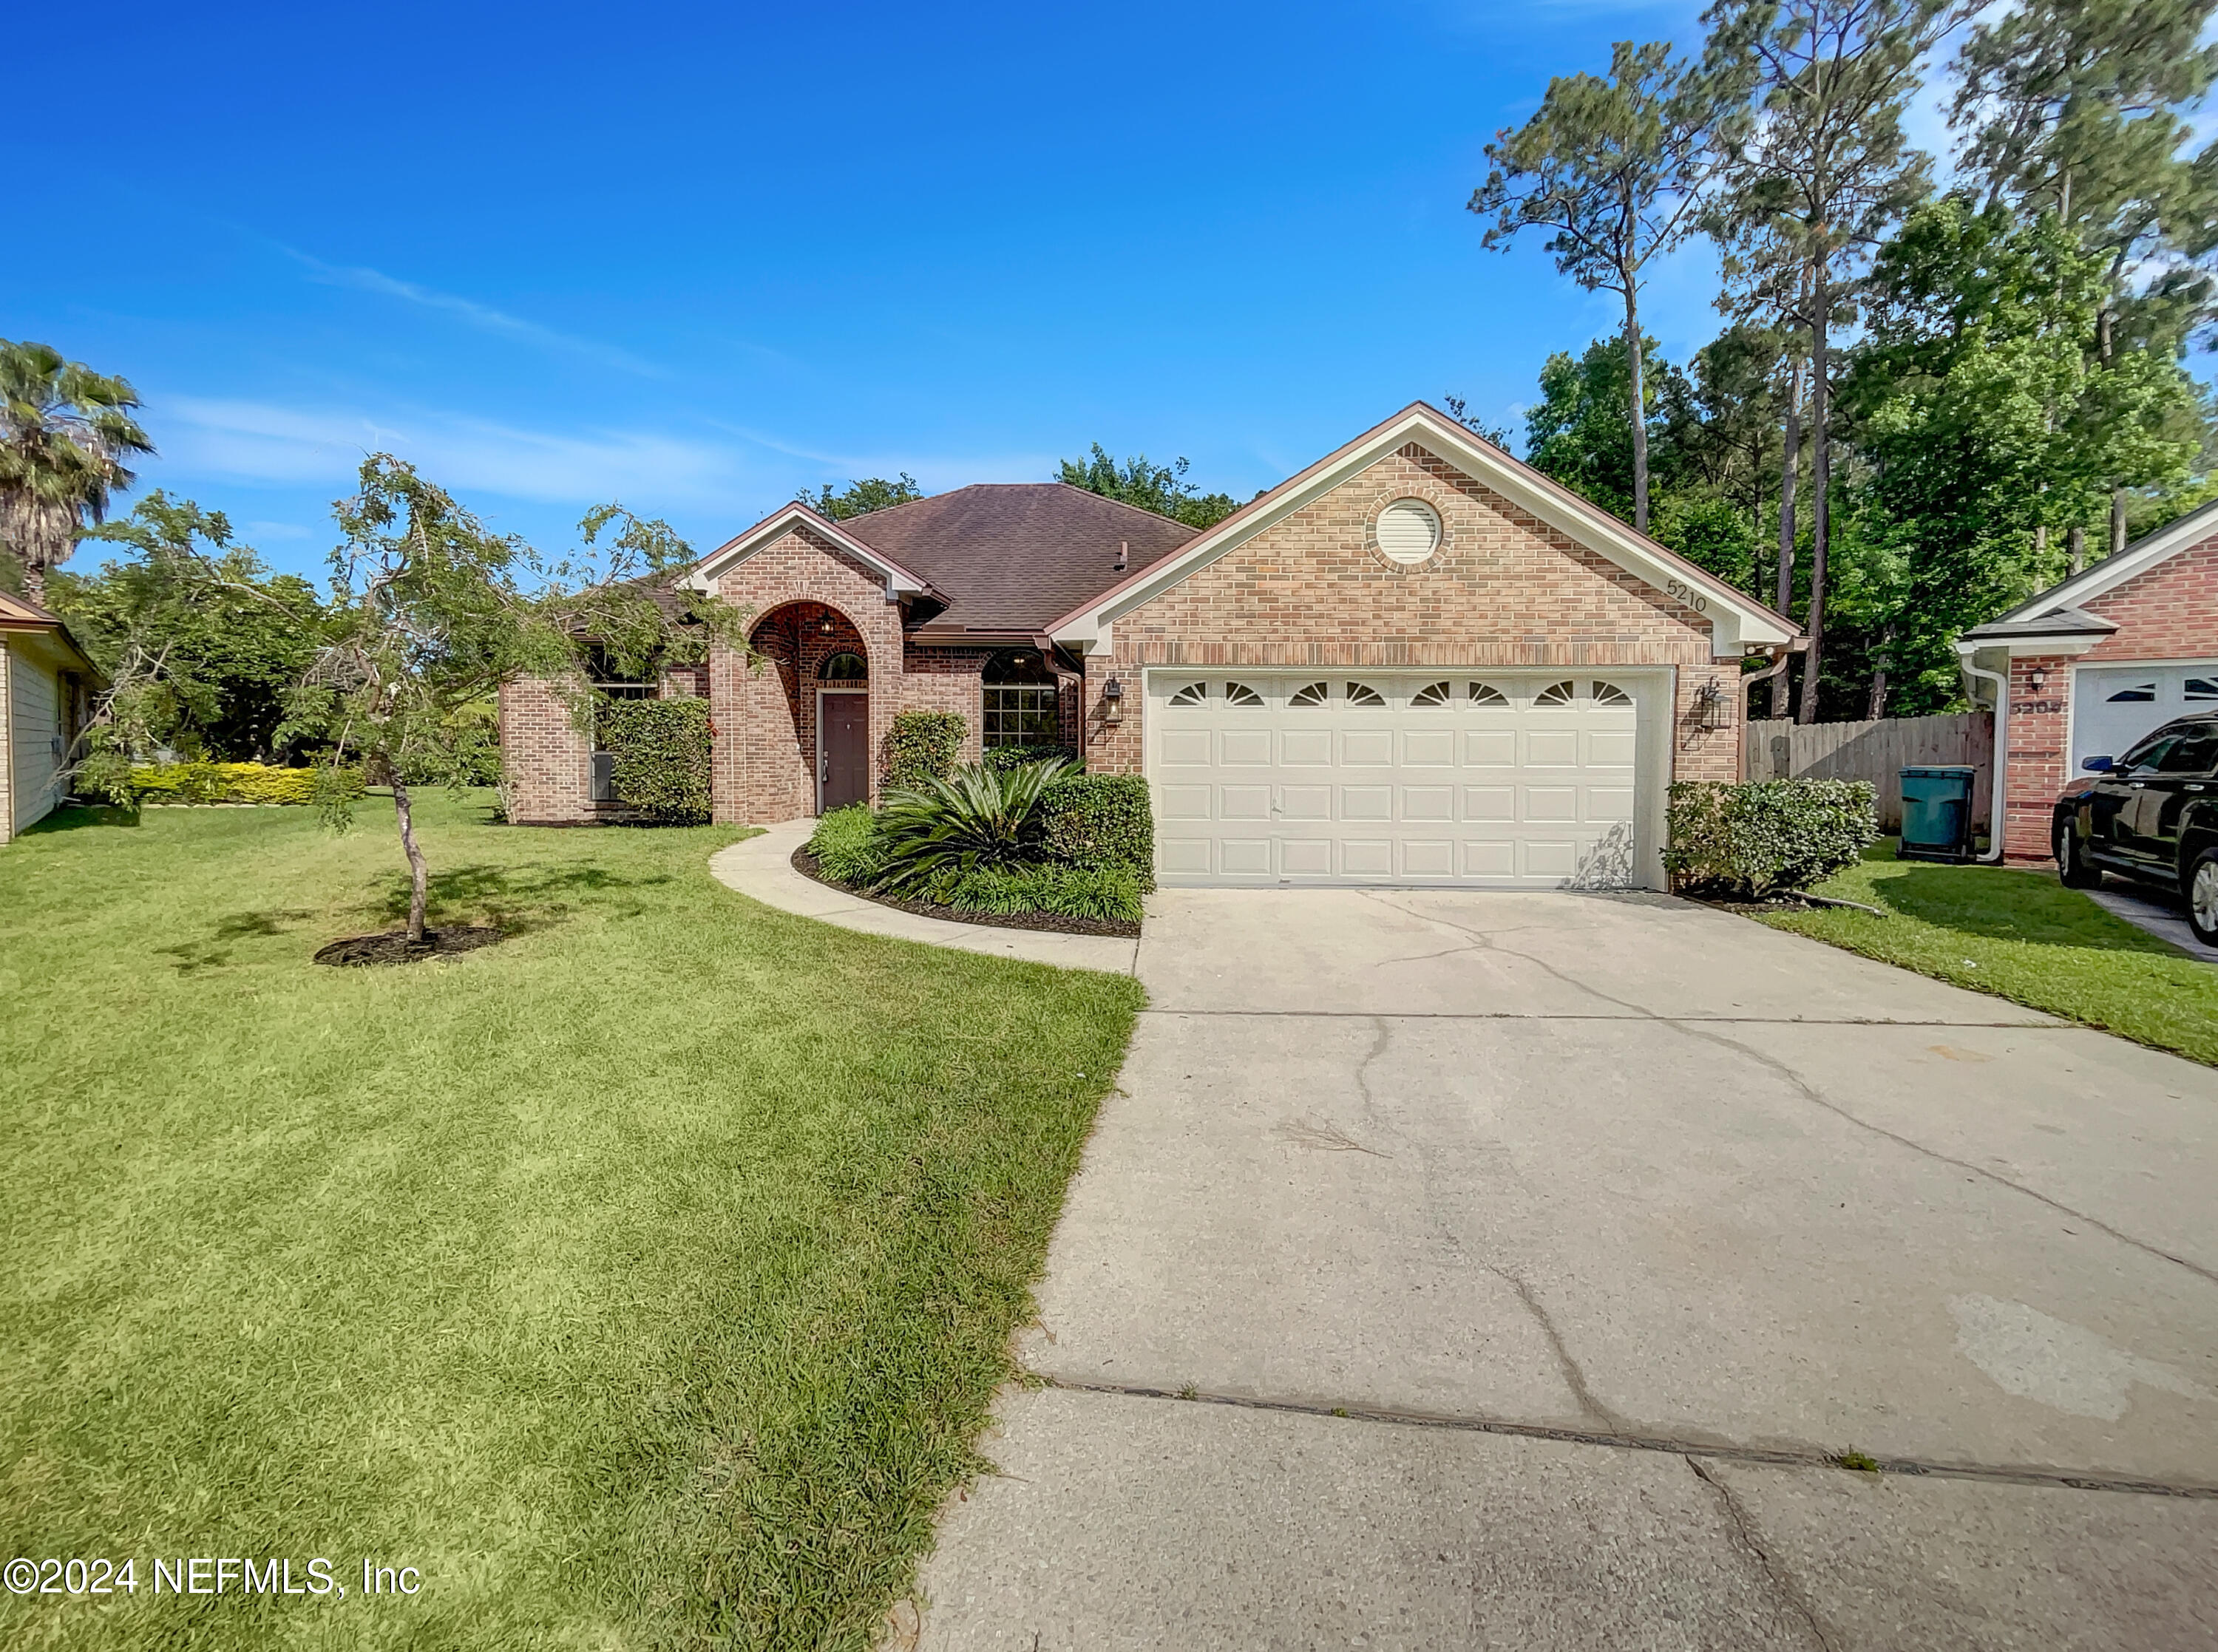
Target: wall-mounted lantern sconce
(1709,707)
(1113,701)
(2039,679)
(825,624)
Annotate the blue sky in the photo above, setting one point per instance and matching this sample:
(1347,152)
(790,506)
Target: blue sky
(696,258)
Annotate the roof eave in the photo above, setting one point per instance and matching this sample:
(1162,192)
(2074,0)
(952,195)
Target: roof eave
(899,581)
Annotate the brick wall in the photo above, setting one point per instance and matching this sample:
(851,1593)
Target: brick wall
(948,679)
(2036,731)
(1504,589)
(766,719)
(544,755)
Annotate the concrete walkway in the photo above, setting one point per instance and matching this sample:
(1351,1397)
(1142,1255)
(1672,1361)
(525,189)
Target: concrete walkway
(1471,1271)
(762,868)
(2163,916)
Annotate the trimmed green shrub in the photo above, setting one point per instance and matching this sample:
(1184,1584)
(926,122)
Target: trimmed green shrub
(1015,756)
(662,751)
(1765,836)
(1107,892)
(975,817)
(232,783)
(1101,820)
(922,747)
(846,844)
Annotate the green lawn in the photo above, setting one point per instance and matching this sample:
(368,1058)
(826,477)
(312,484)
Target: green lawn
(2022,936)
(643,1280)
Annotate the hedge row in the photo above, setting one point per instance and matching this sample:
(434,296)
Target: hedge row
(661,750)
(922,745)
(1101,820)
(232,783)
(1755,839)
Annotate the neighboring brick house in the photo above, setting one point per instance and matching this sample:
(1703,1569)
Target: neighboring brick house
(1419,660)
(2091,665)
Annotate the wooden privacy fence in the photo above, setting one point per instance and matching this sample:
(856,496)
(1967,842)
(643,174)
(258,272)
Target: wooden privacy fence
(1877,752)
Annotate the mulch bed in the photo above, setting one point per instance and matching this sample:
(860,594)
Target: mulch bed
(395,948)
(1054,923)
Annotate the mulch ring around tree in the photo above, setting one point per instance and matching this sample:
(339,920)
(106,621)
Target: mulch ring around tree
(394,946)
(1123,928)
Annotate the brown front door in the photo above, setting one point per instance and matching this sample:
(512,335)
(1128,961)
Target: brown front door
(843,743)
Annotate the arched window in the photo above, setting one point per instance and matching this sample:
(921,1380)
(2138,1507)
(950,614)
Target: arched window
(1020,696)
(845,667)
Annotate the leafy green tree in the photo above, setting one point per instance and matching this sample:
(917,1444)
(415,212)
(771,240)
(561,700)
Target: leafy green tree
(1978,403)
(2082,109)
(431,611)
(65,433)
(1613,170)
(1578,432)
(1163,489)
(1824,172)
(209,640)
(872,493)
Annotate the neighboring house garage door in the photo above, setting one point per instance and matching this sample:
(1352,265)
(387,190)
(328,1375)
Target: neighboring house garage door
(2113,706)
(1533,780)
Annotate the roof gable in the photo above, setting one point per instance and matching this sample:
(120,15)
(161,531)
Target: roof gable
(1738,622)
(2060,602)
(899,580)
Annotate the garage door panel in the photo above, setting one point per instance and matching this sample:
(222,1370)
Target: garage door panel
(1367,857)
(1243,803)
(1513,795)
(1430,748)
(1367,748)
(1246,856)
(1182,802)
(1366,802)
(1429,857)
(1552,803)
(1185,747)
(1428,803)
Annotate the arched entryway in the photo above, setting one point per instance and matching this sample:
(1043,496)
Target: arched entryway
(808,739)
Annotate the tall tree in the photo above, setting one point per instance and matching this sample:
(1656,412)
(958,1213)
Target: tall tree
(65,433)
(872,493)
(2081,108)
(1163,489)
(1577,431)
(1824,172)
(1615,171)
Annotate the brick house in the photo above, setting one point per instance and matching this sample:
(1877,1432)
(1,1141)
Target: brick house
(1417,661)
(2091,665)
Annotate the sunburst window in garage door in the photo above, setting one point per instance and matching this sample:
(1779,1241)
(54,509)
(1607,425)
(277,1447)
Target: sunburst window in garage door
(1312,694)
(1608,694)
(1557,694)
(1193,694)
(1239,694)
(2202,688)
(1433,694)
(1486,694)
(1362,694)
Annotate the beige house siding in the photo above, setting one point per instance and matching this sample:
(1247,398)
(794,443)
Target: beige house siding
(34,725)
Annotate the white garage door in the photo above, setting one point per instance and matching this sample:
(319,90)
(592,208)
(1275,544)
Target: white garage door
(1511,779)
(2113,706)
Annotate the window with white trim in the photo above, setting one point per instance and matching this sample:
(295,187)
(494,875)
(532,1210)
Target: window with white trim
(1362,694)
(1239,694)
(1021,699)
(1557,694)
(1193,694)
(1608,694)
(1433,694)
(1486,694)
(1313,695)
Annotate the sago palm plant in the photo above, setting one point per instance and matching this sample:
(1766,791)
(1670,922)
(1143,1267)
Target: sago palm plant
(975,817)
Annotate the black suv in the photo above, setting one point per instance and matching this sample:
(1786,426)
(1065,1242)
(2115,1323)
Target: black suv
(2152,814)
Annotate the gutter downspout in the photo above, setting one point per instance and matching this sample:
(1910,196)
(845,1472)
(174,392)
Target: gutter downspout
(1997,819)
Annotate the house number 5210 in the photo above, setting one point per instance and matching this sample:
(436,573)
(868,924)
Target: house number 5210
(1680,591)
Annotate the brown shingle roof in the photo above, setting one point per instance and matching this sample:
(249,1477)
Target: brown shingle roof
(1011,556)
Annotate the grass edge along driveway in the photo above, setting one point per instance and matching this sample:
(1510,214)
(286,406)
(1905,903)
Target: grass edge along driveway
(2021,935)
(643,1280)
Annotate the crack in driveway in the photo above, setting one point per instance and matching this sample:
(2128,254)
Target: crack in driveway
(1782,1583)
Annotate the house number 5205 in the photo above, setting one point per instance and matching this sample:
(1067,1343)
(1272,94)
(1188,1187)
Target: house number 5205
(1679,591)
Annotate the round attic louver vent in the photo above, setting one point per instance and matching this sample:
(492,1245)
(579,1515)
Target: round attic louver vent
(1408,531)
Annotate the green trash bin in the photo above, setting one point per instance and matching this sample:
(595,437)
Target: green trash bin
(1936,815)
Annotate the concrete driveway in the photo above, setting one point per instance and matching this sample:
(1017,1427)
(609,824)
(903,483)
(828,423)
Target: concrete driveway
(1472,1270)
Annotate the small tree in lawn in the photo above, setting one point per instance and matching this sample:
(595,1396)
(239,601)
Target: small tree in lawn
(431,611)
